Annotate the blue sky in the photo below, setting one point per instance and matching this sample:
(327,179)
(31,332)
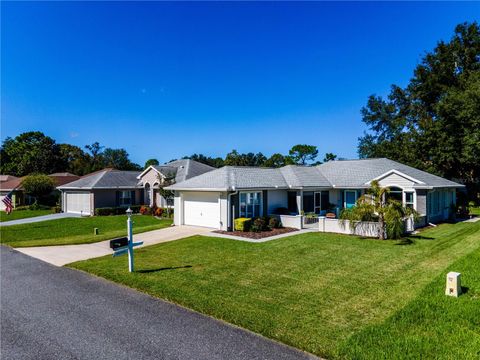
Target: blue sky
(165,80)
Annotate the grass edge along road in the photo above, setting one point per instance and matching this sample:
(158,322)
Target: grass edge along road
(314,291)
(71,231)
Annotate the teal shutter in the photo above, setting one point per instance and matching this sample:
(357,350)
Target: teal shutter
(117,198)
(132,197)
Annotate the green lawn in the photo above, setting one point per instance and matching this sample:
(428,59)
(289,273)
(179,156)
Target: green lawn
(22,214)
(318,292)
(76,230)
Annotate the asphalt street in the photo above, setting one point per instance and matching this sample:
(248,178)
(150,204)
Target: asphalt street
(50,312)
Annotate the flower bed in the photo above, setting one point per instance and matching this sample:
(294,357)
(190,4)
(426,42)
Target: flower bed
(258,235)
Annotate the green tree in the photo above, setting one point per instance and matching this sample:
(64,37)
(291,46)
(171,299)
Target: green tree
(73,159)
(208,160)
(302,154)
(118,159)
(38,185)
(150,162)
(376,206)
(163,182)
(434,122)
(278,160)
(329,157)
(96,156)
(29,152)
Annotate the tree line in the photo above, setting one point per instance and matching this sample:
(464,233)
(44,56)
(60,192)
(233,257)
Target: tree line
(433,123)
(34,152)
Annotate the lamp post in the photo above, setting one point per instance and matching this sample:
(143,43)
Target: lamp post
(130,240)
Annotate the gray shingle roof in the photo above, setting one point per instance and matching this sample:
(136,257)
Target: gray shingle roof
(105,179)
(183,169)
(355,173)
(348,173)
(243,177)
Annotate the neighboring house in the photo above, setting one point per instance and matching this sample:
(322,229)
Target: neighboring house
(19,198)
(114,188)
(104,188)
(216,198)
(7,184)
(179,170)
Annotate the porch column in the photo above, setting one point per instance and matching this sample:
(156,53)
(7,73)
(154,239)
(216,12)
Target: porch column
(300,201)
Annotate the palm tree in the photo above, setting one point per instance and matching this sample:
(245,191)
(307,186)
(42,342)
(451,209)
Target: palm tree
(376,206)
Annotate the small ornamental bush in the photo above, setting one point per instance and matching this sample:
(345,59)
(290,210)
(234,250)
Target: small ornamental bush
(105,211)
(259,224)
(158,212)
(243,224)
(145,210)
(273,223)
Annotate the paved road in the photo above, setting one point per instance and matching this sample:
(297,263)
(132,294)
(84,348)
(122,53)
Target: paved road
(60,255)
(39,218)
(49,312)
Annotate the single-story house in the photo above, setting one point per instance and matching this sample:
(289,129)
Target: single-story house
(12,183)
(179,170)
(216,198)
(104,188)
(117,188)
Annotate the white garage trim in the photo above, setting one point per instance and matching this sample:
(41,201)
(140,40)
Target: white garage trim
(78,202)
(201,209)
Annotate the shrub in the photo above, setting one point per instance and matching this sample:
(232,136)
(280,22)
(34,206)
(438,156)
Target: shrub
(105,211)
(37,206)
(273,223)
(145,210)
(259,224)
(158,212)
(121,210)
(243,224)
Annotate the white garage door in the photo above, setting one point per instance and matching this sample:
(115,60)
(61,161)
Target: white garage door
(201,209)
(78,202)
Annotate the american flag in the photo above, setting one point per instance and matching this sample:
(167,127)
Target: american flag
(7,200)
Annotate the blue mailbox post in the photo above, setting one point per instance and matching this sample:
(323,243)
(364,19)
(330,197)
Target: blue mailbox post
(130,244)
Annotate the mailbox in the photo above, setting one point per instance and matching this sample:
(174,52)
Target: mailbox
(118,243)
(454,287)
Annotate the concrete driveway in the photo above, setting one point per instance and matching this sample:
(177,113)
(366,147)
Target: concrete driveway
(65,254)
(48,312)
(39,218)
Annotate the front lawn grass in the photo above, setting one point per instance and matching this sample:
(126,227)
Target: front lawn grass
(23,214)
(314,291)
(432,326)
(76,230)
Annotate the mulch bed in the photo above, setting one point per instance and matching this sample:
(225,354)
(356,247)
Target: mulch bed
(258,235)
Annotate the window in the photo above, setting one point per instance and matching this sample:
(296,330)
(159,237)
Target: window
(395,194)
(125,198)
(409,200)
(250,204)
(292,201)
(350,197)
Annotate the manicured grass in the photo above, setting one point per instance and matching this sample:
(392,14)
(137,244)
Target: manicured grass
(22,214)
(76,230)
(432,326)
(314,291)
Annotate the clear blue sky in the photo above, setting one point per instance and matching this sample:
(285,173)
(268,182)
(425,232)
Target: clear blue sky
(165,80)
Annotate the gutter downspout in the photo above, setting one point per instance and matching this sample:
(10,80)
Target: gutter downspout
(229,209)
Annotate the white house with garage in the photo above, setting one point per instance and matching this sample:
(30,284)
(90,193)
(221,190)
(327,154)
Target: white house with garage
(215,198)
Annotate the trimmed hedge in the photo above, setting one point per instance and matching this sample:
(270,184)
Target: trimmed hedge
(105,211)
(243,224)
